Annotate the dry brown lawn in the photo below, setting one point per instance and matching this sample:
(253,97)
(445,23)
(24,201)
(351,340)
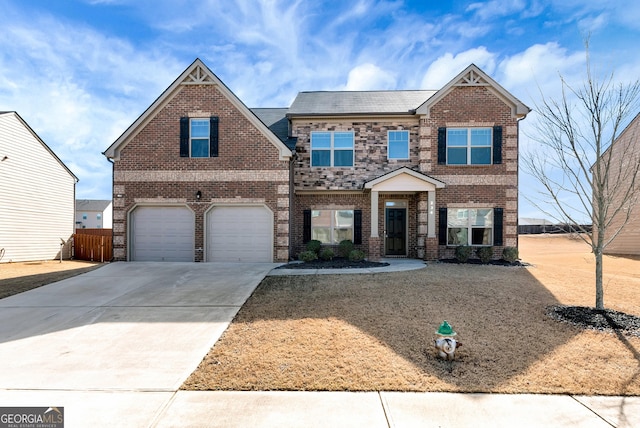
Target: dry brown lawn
(375,331)
(23,276)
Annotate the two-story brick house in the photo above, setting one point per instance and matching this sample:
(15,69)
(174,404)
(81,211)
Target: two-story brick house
(200,177)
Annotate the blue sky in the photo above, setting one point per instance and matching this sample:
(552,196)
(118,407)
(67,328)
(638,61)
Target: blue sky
(81,71)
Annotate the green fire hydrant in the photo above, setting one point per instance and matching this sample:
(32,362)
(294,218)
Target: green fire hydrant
(444,342)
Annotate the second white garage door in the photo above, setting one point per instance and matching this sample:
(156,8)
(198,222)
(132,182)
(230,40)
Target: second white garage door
(239,234)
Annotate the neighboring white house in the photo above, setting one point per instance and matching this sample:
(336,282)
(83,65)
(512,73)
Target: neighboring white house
(37,195)
(94,214)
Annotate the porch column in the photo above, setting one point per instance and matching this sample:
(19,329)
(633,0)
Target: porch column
(431,210)
(374,240)
(374,214)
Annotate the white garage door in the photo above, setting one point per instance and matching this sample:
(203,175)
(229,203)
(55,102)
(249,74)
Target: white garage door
(239,234)
(162,234)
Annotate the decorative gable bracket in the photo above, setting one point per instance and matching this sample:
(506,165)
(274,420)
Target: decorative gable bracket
(198,76)
(472,78)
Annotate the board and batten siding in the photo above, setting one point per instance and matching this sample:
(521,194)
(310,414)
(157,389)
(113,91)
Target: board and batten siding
(37,195)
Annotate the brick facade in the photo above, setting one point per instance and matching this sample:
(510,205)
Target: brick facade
(253,170)
(467,186)
(248,170)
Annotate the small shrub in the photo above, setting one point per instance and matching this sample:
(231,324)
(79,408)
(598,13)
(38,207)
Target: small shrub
(463,252)
(356,255)
(485,254)
(314,245)
(510,254)
(308,256)
(326,254)
(345,247)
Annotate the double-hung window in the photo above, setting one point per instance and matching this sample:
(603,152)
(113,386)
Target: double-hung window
(470,226)
(332,226)
(398,144)
(199,137)
(469,146)
(332,148)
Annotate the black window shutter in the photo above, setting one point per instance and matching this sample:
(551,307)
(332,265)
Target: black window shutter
(306,226)
(357,226)
(498,226)
(442,226)
(497,145)
(213,136)
(184,137)
(442,146)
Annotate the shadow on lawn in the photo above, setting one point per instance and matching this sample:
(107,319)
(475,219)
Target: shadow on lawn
(498,313)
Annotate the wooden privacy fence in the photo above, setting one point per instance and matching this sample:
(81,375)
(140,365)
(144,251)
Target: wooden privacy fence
(95,248)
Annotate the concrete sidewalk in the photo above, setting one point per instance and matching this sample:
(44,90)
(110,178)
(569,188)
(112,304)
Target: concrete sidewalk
(114,345)
(229,409)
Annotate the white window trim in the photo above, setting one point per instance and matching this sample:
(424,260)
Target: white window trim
(389,144)
(333,225)
(470,227)
(191,137)
(332,149)
(469,128)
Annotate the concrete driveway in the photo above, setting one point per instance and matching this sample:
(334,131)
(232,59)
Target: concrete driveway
(127,327)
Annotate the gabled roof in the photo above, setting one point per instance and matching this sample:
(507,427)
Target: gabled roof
(340,103)
(92,204)
(419,181)
(26,125)
(196,74)
(473,76)
(276,120)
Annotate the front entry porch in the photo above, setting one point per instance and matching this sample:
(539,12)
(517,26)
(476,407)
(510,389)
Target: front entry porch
(403,206)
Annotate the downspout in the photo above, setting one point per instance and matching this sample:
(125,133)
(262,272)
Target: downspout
(113,165)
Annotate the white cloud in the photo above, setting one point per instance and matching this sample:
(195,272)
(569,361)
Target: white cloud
(369,77)
(77,89)
(538,69)
(441,71)
(496,8)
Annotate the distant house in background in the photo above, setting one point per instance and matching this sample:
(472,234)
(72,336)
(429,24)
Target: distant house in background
(625,151)
(94,214)
(37,195)
(528,226)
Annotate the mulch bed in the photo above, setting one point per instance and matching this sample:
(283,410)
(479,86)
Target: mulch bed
(606,320)
(336,263)
(500,262)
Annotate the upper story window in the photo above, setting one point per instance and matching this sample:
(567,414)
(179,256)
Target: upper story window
(398,144)
(470,146)
(98,216)
(332,148)
(84,216)
(199,137)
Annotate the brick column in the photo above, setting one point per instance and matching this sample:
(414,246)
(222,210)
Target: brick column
(374,249)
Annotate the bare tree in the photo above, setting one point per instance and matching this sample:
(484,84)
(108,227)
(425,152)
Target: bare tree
(583,173)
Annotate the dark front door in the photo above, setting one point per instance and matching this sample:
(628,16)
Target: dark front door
(396,232)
